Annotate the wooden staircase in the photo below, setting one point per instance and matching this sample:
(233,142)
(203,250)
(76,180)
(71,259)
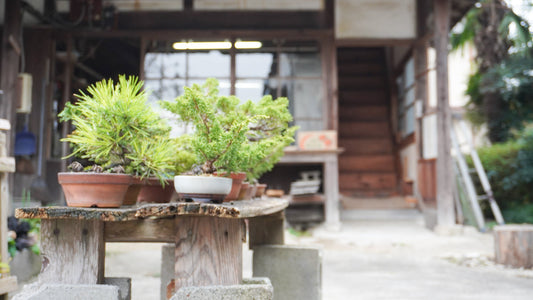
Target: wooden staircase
(367,168)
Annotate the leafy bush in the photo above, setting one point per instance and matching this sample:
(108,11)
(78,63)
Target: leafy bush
(509,167)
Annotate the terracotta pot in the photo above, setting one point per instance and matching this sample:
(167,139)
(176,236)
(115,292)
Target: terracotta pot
(94,189)
(237,179)
(261,187)
(153,192)
(202,188)
(133,191)
(243,191)
(252,188)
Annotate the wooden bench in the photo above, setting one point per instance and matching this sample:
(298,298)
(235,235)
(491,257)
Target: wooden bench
(208,238)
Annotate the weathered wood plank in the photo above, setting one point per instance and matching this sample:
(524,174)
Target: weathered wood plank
(208,251)
(513,245)
(267,230)
(73,252)
(143,230)
(4,124)
(81,213)
(234,209)
(7,164)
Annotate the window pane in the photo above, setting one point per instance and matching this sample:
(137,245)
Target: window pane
(212,63)
(251,89)
(409,121)
(305,99)
(168,65)
(163,89)
(260,65)
(300,65)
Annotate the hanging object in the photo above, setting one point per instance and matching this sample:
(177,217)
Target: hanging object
(24,142)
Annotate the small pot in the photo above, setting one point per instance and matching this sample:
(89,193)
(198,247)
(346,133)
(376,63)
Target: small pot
(202,188)
(153,192)
(237,179)
(252,188)
(243,191)
(261,187)
(94,189)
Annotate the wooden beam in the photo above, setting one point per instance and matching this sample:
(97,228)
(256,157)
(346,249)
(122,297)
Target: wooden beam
(10,64)
(267,230)
(146,231)
(445,185)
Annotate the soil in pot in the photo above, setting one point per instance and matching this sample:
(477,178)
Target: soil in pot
(94,189)
(153,192)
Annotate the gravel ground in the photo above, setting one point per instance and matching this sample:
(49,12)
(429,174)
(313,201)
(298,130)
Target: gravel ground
(370,260)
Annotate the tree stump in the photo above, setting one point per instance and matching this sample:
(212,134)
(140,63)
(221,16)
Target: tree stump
(513,245)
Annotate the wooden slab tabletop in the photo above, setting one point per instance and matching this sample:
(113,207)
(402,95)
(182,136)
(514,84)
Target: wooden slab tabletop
(234,209)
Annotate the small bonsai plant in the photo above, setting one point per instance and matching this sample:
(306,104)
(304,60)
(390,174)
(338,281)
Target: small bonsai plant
(118,132)
(220,128)
(267,136)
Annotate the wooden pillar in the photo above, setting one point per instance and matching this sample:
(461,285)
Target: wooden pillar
(11,51)
(67,92)
(445,203)
(73,251)
(208,251)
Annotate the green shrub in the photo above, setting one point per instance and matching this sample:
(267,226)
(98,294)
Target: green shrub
(509,167)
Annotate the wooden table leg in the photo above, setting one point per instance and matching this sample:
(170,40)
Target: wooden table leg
(267,230)
(208,251)
(73,251)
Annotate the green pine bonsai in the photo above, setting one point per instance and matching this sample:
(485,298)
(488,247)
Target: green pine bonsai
(230,137)
(117,131)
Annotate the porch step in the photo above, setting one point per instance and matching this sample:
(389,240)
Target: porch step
(382,215)
(368,145)
(362,82)
(366,181)
(364,113)
(378,163)
(364,129)
(360,69)
(393,202)
(362,97)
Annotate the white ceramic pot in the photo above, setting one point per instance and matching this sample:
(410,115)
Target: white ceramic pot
(202,188)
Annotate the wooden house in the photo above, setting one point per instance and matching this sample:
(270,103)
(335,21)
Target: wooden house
(365,69)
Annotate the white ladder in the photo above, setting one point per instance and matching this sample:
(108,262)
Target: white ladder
(464,173)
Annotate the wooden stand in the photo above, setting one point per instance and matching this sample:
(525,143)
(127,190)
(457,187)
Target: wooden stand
(7,165)
(208,238)
(513,245)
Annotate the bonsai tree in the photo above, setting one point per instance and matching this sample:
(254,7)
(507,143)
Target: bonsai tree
(220,128)
(230,137)
(118,132)
(268,135)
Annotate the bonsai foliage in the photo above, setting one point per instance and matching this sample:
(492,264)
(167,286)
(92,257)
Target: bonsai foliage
(268,134)
(118,131)
(220,130)
(230,137)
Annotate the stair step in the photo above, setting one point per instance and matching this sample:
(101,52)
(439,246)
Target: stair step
(360,69)
(394,202)
(376,163)
(367,180)
(388,214)
(364,113)
(363,97)
(357,146)
(364,129)
(358,82)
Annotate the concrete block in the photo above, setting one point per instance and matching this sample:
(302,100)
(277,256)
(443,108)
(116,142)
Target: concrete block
(167,267)
(68,292)
(295,272)
(123,284)
(251,289)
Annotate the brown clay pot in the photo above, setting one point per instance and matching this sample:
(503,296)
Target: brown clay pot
(153,192)
(237,179)
(243,191)
(252,188)
(94,189)
(261,187)
(133,191)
